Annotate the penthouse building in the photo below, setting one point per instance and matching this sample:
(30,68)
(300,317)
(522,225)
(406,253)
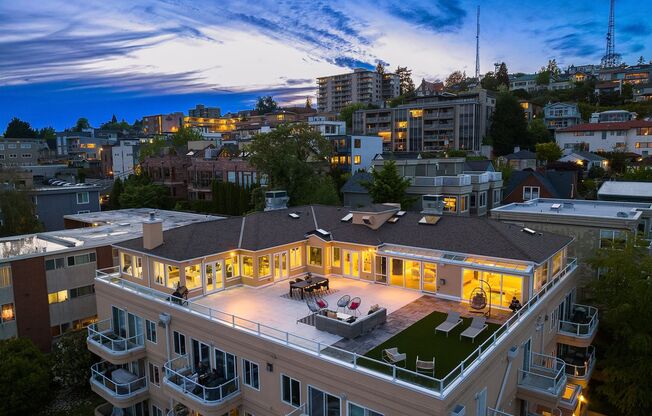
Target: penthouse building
(208,318)
(433,123)
(360,86)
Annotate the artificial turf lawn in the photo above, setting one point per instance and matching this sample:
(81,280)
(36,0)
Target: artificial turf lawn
(420,339)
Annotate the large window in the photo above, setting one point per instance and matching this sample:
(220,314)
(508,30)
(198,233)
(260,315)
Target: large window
(530,192)
(367,261)
(450,204)
(412,274)
(173,277)
(52,264)
(541,276)
(231,267)
(193,276)
(290,391)
(126,263)
(322,404)
(5,276)
(500,287)
(314,256)
(396,275)
(357,410)
(225,365)
(264,268)
(57,297)
(247,266)
(429,277)
(615,239)
(295,257)
(7,313)
(159,272)
(179,343)
(81,259)
(381,269)
(82,198)
(337,260)
(250,374)
(131,265)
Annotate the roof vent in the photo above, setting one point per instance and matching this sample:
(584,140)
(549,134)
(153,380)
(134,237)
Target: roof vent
(622,214)
(276,200)
(323,232)
(555,207)
(529,231)
(347,217)
(400,213)
(393,220)
(294,215)
(367,220)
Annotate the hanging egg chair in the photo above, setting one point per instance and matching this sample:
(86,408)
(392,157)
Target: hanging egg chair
(479,300)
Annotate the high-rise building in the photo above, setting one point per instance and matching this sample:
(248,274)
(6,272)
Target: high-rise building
(162,123)
(201,110)
(360,86)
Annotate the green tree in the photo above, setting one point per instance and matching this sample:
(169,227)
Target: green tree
(346,114)
(489,82)
(502,75)
(185,135)
(50,136)
(18,129)
(139,192)
(293,158)
(266,104)
(388,186)
(508,126)
(380,68)
(405,78)
(17,212)
(552,67)
(623,294)
(641,60)
(543,77)
(114,119)
(596,172)
(538,131)
(25,377)
(308,102)
(152,148)
(548,152)
(456,79)
(116,191)
(71,360)
(82,123)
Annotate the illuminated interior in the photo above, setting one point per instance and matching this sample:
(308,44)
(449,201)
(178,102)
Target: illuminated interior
(501,288)
(193,276)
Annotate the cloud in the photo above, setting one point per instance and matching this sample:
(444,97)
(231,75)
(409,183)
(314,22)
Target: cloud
(352,63)
(573,44)
(634,29)
(442,16)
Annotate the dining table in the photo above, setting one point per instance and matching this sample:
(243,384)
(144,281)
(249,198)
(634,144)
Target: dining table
(303,284)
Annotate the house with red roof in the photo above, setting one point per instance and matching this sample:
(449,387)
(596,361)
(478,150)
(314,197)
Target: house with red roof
(628,136)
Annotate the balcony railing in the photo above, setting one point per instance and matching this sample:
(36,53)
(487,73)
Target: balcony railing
(376,368)
(494,412)
(459,180)
(580,371)
(299,411)
(101,376)
(546,373)
(179,376)
(104,336)
(582,322)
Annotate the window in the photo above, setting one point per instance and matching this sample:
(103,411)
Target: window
(250,374)
(231,266)
(264,268)
(295,257)
(225,365)
(57,297)
(530,192)
(450,204)
(52,264)
(179,343)
(473,200)
(25,145)
(366,261)
(464,203)
(290,391)
(150,330)
(357,410)
(5,276)
(82,198)
(159,272)
(357,143)
(7,313)
(156,411)
(11,146)
(322,404)
(337,260)
(126,260)
(193,276)
(615,239)
(82,291)
(357,159)
(154,375)
(314,256)
(497,197)
(81,259)
(482,197)
(247,266)
(172,276)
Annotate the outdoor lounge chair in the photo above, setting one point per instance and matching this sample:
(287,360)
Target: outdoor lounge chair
(354,306)
(477,326)
(343,302)
(392,356)
(312,305)
(426,367)
(452,320)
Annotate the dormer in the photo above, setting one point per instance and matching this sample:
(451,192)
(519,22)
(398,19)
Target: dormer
(374,215)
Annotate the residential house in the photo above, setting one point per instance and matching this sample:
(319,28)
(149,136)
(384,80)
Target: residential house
(612,116)
(427,88)
(628,136)
(125,157)
(326,126)
(586,159)
(642,92)
(354,153)
(520,159)
(360,86)
(625,191)
(524,185)
(531,110)
(561,115)
(527,82)
(55,199)
(354,193)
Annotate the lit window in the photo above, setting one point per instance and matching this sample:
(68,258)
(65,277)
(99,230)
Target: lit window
(193,276)
(231,267)
(416,113)
(5,276)
(295,257)
(7,313)
(57,297)
(247,266)
(173,277)
(264,268)
(314,256)
(367,257)
(357,159)
(450,204)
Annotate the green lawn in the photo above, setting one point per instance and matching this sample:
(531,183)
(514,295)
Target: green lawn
(420,339)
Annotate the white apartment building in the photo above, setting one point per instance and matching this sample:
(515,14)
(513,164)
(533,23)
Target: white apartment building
(327,127)
(629,136)
(360,86)
(125,157)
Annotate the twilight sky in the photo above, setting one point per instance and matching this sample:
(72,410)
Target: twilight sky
(64,59)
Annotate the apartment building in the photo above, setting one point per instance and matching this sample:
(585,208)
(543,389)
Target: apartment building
(56,198)
(612,116)
(47,279)
(163,123)
(21,152)
(628,136)
(433,123)
(354,153)
(527,82)
(360,86)
(202,111)
(561,115)
(124,157)
(642,92)
(170,169)
(242,344)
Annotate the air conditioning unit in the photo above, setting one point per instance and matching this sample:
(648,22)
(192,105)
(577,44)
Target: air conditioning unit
(276,200)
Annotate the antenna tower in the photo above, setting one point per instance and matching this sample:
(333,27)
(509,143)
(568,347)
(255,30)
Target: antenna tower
(477,47)
(611,58)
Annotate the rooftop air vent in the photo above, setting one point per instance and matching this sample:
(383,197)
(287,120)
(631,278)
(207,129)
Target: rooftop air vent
(294,215)
(347,217)
(393,220)
(529,231)
(400,213)
(555,207)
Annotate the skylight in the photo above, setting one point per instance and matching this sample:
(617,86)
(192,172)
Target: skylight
(529,231)
(393,220)
(323,232)
(429,219)
(293,215)
(347,217)
(400,213)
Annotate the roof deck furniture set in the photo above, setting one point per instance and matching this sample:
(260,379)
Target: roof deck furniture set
(310,286)
(452,320)
(478,324)
(347,325)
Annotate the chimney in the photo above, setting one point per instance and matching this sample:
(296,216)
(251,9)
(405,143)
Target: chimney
(517,149)
(152,232)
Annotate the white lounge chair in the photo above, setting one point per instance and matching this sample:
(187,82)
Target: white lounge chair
(392,356)
(477,326)
(426,367)
(452,320)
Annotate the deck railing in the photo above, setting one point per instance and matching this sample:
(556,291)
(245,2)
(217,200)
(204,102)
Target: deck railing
(178,375)
(99,377)
(545,373)
(578,329)
(370,366)
(581,371)
(103,334)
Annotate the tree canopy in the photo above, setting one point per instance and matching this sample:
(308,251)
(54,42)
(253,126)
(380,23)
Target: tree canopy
(489,82)
(18,214)
(405,78)
(388,186)
(140,192)
(71,360)
(19,129)
(508,126)
(502,75)
(346,113)
(548,152)
(538,131)
(185,135)
(266,104)
(82,123)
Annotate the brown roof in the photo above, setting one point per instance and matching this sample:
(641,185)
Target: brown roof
(622,125)
(261,230)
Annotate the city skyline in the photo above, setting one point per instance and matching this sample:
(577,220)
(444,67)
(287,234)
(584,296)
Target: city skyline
(62,61)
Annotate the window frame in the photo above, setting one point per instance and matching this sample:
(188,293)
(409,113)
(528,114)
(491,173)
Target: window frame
(177,345)
(290,380)
(324,410)
(249,364)
(153,374)
(85,198)
(149,331)
(367,411)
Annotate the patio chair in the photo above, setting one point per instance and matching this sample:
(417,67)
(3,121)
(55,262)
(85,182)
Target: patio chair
(452,320)
(426,367)
(477,326)
(354,306)
(309,290)
(343,302)
(312,305)
(321,302)
(392,356)
(322,286)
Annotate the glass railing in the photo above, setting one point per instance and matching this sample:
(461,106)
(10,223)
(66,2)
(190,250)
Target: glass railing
(582,323)
(103,335)
(546,373)
(178,375)
(392,373)
(583,370)
(106,376)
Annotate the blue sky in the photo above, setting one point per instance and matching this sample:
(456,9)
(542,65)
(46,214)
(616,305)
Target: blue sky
(64,59)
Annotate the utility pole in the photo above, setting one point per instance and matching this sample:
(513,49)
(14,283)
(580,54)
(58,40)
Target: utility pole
(477,48)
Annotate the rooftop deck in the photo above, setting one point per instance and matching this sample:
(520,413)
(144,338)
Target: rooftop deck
(576,208)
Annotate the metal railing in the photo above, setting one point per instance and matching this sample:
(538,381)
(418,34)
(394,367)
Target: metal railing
(545,373)
(581,371)
(495,412)
(103,335)
(179,375)
(100,377)
(580,329)
(370,366)
(299,411)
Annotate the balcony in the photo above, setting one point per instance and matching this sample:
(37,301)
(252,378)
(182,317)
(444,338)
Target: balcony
(544,380)
(202,393)
(117,385)
(580,327)
(106,342)
(579,363)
